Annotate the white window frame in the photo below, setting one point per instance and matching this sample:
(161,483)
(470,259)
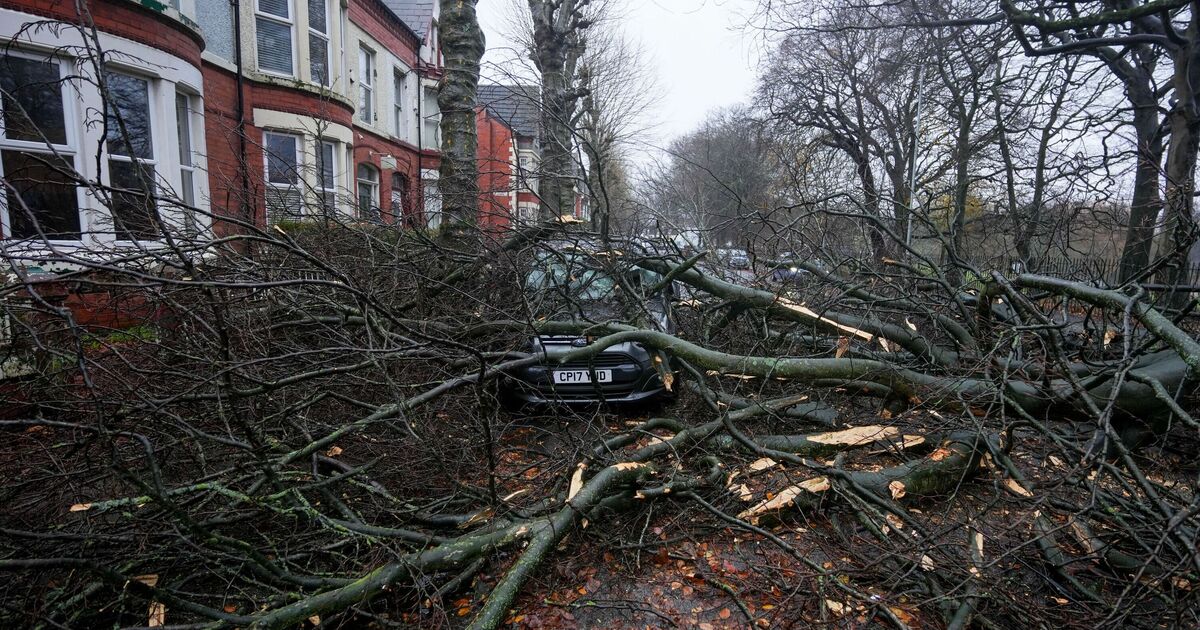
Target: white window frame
(188,194)
(289,21)
(314,33)
(69,151)
(430,118)
(153,102)
(399,106)
(321,189)
(366,85)
(359,183)
(298,139)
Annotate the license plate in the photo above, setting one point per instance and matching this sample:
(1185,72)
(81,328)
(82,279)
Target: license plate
(571,377)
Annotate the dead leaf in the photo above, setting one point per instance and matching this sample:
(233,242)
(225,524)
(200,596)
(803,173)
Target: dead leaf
(333,451)
(837,608)
(897,489)
(158,615)
(576,481)
(724,614)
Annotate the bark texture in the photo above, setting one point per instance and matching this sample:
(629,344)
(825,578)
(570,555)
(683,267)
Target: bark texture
(462,44)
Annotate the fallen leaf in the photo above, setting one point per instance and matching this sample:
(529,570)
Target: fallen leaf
(333,451)
(837,608)
(724,614)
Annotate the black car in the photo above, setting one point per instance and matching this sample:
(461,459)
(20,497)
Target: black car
(573,287)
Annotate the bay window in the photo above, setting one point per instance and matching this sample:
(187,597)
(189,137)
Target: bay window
(129,141)
(275,35)
(283,189)
(40,197)
(366,85)
(318,41)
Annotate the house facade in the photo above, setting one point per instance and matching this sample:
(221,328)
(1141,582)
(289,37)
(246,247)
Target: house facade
(198,115)
(327,104)
(517,107)
(83,179)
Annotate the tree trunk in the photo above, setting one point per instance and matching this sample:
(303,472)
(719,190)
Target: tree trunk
(1146,203)
(555,54)
(462,45)
(1179,233)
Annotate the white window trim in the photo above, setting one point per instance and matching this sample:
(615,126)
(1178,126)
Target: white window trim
(158,161)
(366,81)
(400,107)
(327,36)
(359,183)
(290,22)
(299,185)
(70,151)
(320,145)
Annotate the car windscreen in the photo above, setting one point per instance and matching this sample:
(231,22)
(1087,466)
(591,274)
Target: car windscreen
(569,275)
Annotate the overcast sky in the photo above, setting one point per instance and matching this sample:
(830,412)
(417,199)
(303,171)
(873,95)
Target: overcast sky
(700,51)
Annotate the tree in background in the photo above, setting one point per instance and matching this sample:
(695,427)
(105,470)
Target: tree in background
(462,44)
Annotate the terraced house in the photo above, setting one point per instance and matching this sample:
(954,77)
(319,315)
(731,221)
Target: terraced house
(200,115)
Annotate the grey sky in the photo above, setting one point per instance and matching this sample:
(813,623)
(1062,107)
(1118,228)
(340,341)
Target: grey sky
(699,49)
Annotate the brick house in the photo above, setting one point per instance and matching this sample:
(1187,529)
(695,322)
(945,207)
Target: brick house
(334,111)
(55,111)
(519,108)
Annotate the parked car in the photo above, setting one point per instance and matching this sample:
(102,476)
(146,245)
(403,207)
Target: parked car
(734,258)
(790,273)
(573,286)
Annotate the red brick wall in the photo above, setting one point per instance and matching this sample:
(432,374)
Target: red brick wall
(369,148)
(124,19)
(495,172)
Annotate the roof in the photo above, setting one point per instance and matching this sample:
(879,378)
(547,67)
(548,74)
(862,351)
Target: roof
(517,106)
(417,14)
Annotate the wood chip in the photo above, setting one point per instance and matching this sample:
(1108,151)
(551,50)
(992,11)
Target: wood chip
(1017,488)
(576,481)
(856,436)
(897,489)
(785,498)
(158,615)
(765,463)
